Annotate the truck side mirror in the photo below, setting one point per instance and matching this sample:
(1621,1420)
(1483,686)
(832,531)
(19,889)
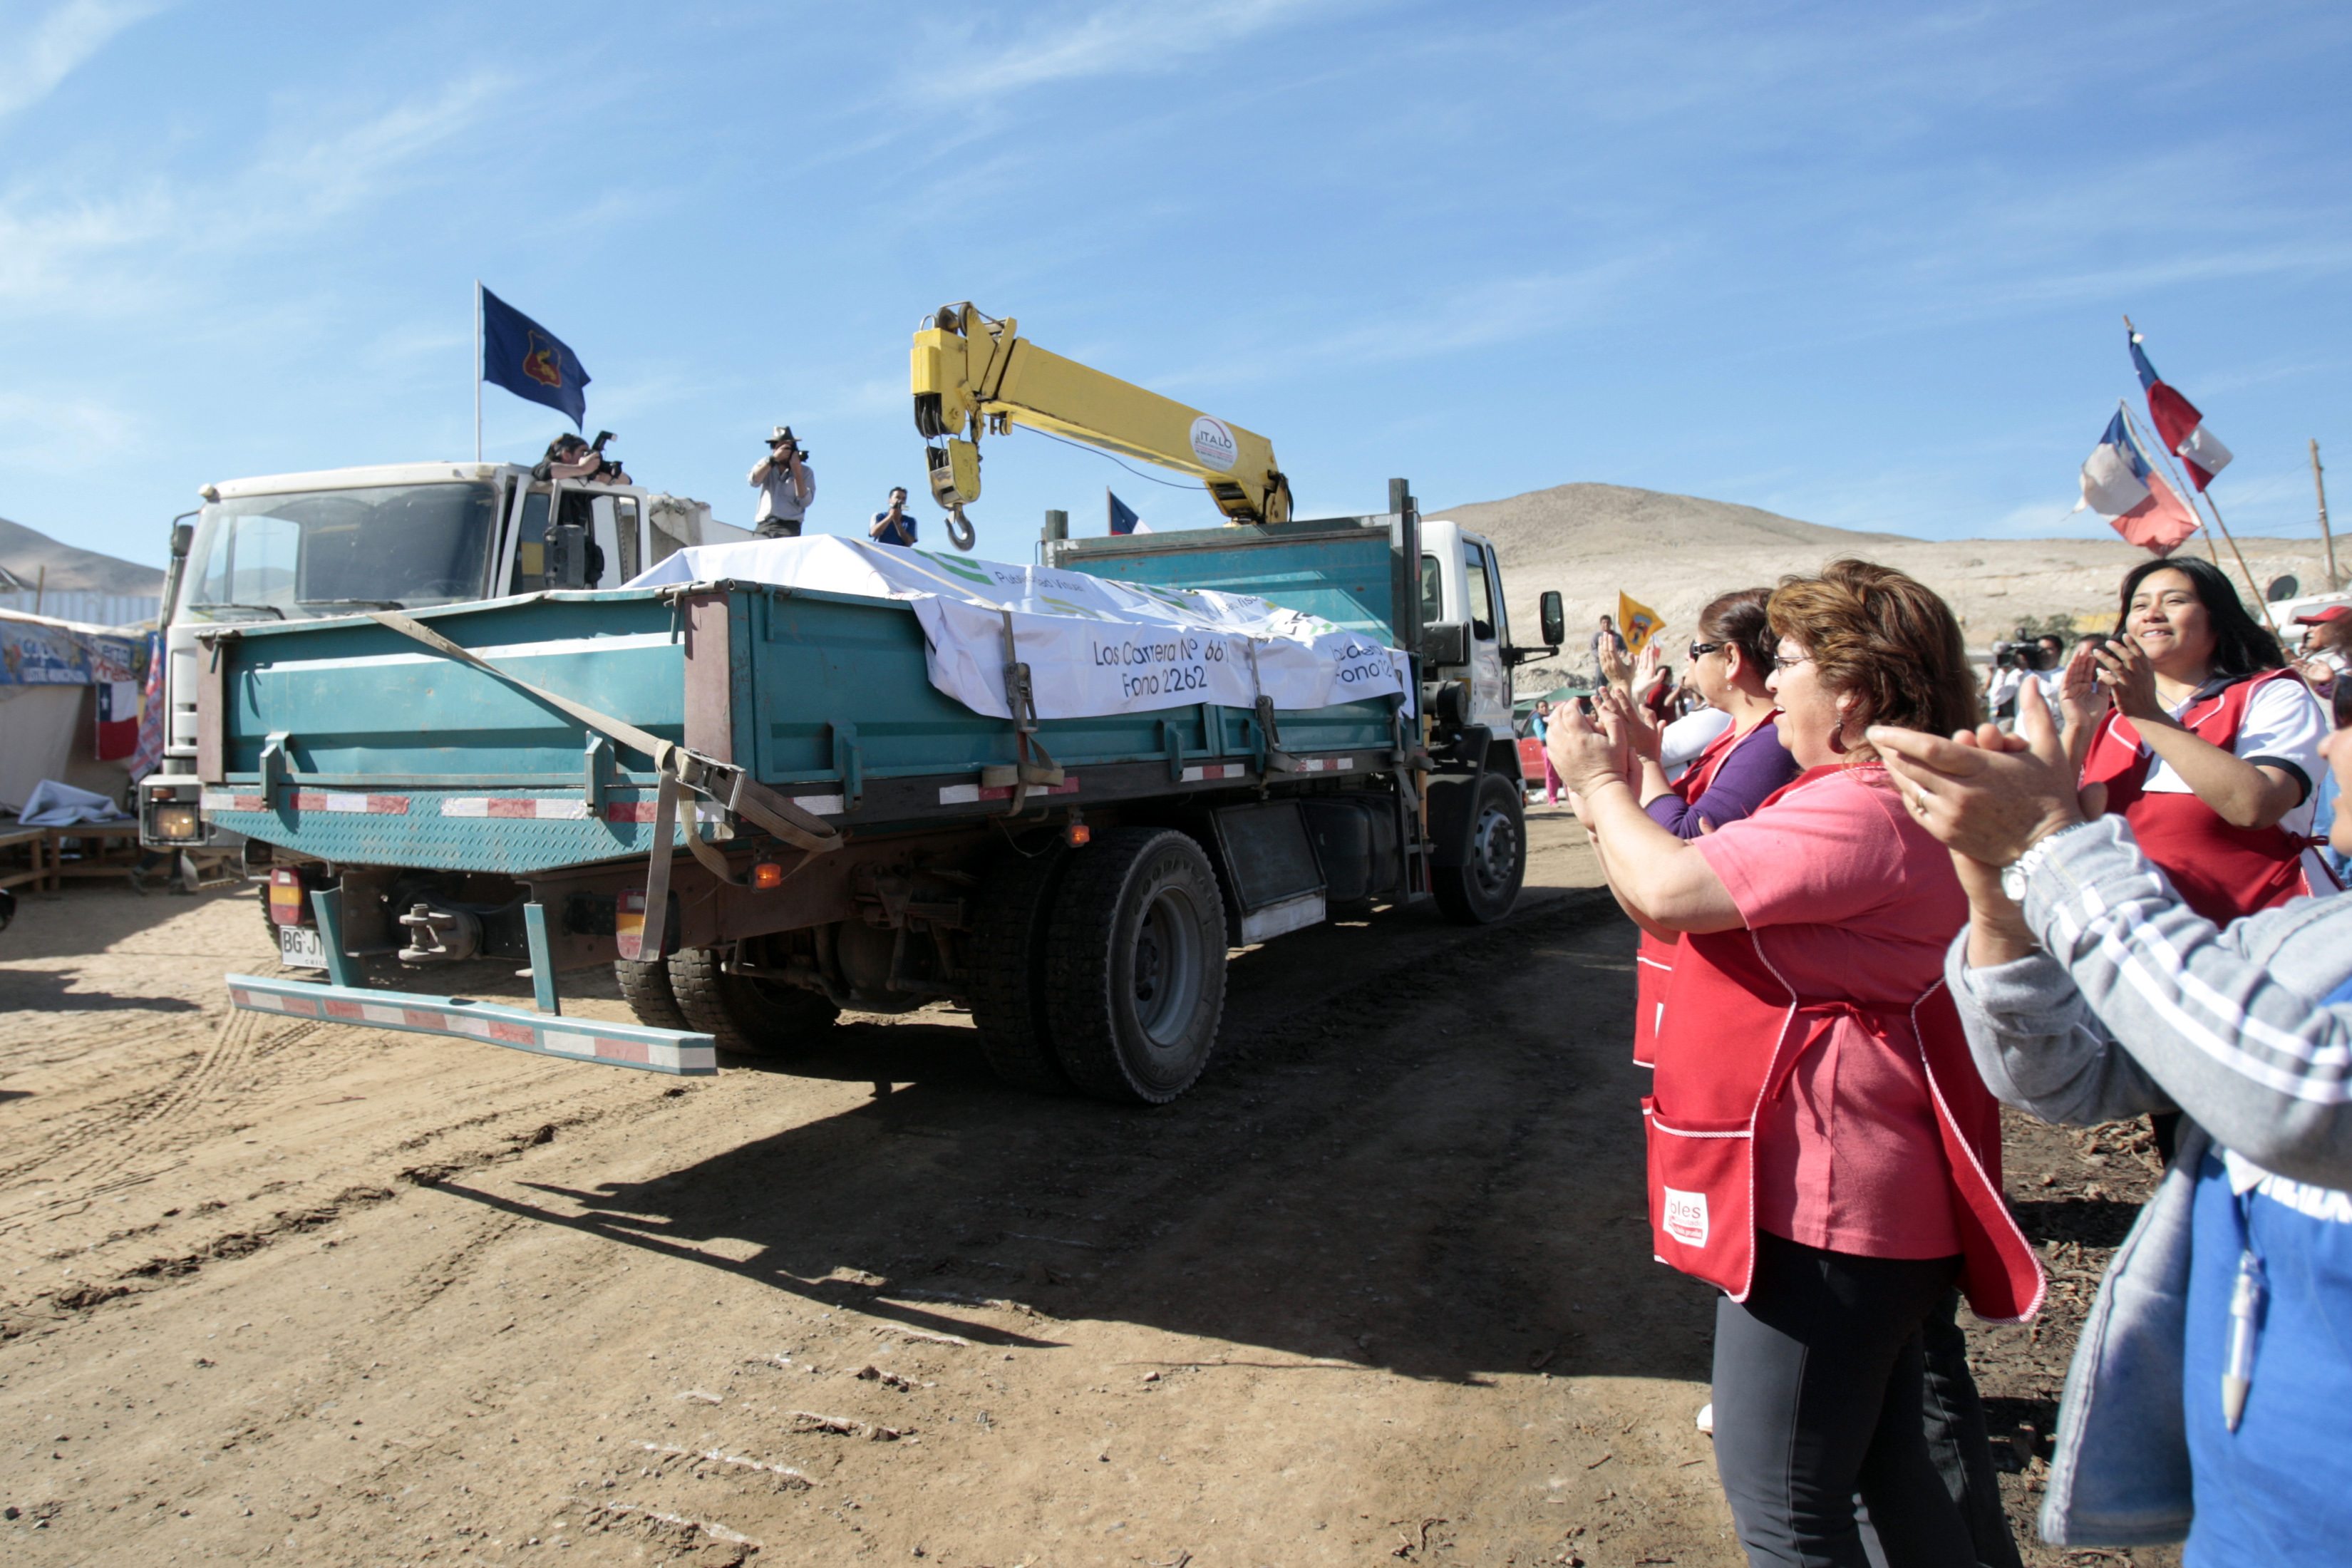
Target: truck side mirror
(1445,642)
(183,536)
(1554,618)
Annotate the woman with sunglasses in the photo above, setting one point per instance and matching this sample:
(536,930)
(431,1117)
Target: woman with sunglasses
(1725,782)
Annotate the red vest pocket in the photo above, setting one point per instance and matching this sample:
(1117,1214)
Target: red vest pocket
(1702,1198)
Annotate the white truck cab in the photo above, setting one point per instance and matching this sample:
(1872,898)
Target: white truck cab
(1462,583)
(394,536)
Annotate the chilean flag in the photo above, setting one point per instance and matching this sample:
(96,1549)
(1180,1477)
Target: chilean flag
(2119,486)
(2180,425)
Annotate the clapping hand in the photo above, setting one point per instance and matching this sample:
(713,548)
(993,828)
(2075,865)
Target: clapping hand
(1614,670)
(1630,721)
(1647,669)
(2129,678)
(1586,755)
(2083,698)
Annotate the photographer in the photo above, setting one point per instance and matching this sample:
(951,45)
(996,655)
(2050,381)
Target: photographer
(786,485)
(570,457)
(894,524)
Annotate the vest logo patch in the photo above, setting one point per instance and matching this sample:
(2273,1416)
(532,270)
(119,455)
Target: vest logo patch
(1686,1217)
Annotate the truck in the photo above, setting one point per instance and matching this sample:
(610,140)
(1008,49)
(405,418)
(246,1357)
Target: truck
(754,803)
(314,546)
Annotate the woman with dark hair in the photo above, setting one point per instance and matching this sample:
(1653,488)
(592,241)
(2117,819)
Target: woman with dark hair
(2208,745)
(1729,660)
(1820,1147)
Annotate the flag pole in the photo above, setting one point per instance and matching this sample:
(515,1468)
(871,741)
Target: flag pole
(2319,483)
(477,370)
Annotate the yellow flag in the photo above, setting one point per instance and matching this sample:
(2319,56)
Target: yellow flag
(1636,622)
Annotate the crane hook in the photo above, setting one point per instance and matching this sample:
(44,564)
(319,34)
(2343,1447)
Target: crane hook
(959,529)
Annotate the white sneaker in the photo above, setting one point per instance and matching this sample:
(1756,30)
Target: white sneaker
(1706,1418)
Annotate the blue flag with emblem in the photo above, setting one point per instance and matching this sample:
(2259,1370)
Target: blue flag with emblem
(1122,516)
(530,362)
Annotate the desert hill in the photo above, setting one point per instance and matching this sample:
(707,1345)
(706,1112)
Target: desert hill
(24,551)
(1676,553)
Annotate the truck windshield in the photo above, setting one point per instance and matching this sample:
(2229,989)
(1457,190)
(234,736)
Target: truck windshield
(328,553)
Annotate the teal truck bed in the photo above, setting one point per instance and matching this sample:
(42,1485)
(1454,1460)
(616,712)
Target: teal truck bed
(499,780)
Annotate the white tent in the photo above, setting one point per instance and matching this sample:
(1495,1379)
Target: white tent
(48,705)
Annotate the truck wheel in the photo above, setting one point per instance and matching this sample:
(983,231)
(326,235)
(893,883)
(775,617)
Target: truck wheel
(751,1018)
(1008,970)
(1483,889)
(1136,966)
(645,986)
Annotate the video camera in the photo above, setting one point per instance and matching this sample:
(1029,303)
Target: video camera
(2017,655)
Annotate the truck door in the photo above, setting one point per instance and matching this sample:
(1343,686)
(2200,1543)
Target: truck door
(1490,692)
(615,527)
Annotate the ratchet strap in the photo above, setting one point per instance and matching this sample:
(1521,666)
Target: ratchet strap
(1035,766)
(721,782)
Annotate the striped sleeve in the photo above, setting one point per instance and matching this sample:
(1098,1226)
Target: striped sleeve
(2238,1027)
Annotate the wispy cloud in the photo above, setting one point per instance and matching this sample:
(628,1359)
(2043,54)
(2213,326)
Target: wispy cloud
(131,252)
(49,434)
(55,43)
(1119,40)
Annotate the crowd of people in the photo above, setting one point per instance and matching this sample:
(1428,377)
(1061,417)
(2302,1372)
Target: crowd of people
(1866,911)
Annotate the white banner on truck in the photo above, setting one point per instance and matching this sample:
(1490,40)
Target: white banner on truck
(1092,646)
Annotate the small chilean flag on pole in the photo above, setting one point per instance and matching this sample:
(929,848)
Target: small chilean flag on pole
(2118,484)
(2178,423)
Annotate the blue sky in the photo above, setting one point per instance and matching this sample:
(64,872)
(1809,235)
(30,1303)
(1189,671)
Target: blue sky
(1861,264)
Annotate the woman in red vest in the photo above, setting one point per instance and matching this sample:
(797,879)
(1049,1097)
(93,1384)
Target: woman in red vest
(1729,779)
(2208,746)
(1820,1147)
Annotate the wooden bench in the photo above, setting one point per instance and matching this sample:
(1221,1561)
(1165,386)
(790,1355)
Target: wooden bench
(100,849)
(31,846)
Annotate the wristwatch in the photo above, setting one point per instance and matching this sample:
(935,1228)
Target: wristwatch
(2013,875)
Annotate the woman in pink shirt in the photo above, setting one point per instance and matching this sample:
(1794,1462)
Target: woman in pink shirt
(1820,1147)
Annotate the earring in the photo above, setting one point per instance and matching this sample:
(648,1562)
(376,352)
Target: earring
(1837,739)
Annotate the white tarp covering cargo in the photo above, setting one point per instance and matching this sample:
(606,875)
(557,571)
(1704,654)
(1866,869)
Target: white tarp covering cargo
(1092,646)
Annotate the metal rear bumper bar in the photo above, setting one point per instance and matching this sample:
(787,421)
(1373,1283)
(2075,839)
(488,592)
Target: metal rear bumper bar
(648,1049)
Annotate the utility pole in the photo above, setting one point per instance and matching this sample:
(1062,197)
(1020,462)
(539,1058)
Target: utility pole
(2319,483)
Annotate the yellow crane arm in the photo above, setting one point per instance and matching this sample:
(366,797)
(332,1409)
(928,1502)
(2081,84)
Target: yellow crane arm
(974,374)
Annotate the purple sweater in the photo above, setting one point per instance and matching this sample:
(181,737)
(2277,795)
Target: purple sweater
(1758,765)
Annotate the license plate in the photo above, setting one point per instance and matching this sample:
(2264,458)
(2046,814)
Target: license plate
(299,947)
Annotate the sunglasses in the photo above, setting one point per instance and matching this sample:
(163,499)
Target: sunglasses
(1699,650)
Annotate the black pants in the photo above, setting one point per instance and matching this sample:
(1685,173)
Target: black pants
(1958,1444)
(1821,1392)
(779,528)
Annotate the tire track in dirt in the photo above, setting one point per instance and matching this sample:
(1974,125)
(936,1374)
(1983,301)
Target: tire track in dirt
(163,1125)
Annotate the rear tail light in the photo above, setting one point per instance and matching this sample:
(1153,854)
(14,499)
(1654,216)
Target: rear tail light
(287,904)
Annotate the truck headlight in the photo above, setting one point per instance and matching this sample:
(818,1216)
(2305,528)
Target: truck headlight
(178,822)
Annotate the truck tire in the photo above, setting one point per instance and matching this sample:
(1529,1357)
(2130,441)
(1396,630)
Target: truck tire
(645,986)
(1008,970)
(1483,889)
(749,1017)
(1135,965)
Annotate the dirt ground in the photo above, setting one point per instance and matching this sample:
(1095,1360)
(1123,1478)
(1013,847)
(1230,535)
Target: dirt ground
(1377,1289)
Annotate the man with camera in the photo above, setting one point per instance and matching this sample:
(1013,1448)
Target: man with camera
(570,457)
(2042,660)
(786,485)
(894,524)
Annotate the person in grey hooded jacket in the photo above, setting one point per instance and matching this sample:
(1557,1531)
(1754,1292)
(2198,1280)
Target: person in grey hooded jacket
(2210,1394)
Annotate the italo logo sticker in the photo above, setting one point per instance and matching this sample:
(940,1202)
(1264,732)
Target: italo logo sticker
(1213,443)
